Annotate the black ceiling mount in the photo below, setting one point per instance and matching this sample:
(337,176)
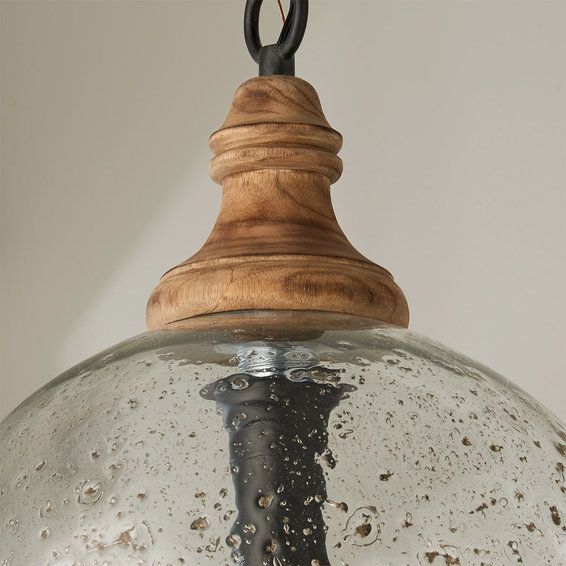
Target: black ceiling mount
(278,58)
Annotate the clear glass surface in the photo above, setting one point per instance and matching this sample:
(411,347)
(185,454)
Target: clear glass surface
(364,447)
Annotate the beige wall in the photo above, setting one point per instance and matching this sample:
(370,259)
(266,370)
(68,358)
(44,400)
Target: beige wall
(454,119)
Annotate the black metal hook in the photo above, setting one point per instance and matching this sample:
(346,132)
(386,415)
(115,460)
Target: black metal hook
(278,58)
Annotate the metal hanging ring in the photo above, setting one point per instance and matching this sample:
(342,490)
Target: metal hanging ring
(278,58)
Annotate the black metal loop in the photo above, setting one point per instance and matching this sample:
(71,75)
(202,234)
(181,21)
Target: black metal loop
(278,58)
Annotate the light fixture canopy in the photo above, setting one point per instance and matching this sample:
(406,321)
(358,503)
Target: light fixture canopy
(276,244)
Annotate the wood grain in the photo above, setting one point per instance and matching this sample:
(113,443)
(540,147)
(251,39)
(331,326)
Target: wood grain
(276,244)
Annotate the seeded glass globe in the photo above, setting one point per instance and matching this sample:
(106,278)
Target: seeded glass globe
(343,444)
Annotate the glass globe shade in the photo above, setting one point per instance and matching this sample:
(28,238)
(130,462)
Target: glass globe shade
(343,444)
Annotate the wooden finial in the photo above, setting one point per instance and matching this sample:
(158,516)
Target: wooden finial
(276,244)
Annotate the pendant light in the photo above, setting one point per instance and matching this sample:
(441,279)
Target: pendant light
(278,411)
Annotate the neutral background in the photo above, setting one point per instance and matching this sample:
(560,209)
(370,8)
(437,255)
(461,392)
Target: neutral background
(454,120)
